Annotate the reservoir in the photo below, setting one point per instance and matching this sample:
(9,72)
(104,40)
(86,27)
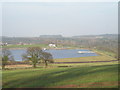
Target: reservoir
(66,53)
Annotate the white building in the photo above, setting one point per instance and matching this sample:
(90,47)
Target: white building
(52,45)
(3,44)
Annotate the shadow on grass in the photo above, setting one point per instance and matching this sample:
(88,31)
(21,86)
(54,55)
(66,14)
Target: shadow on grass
(49,79)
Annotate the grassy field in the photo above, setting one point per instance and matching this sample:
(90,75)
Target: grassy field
(78,75)
(25,46)
(83,59)
(105,52)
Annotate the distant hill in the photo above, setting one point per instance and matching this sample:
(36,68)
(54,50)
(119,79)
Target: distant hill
(51,36)
(102,35)
(46,39)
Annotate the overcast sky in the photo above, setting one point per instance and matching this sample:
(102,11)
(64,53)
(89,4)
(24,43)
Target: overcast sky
(65,18)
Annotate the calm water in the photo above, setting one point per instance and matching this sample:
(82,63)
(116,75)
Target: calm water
(56,53)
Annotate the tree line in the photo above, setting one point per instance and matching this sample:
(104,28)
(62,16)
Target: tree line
(33,54)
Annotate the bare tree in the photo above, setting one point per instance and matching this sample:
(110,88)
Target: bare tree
(6,56)
(33,54)
(47,57)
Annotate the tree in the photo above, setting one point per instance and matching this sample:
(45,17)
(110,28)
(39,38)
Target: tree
(33,54)
(6,56)
(47,57)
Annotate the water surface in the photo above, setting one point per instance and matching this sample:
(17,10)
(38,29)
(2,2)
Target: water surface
(56,53)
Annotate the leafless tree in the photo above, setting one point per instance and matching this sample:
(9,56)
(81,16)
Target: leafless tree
(33,54)
(6,56)
(47,57)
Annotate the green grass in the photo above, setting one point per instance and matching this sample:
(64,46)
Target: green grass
(25,46)
(105,52)
(85,59)
(52,77)
(82,64)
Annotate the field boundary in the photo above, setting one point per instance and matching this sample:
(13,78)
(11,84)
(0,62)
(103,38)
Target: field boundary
(85,62)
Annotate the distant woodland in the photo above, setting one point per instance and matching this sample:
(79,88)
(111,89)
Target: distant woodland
(106,42)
